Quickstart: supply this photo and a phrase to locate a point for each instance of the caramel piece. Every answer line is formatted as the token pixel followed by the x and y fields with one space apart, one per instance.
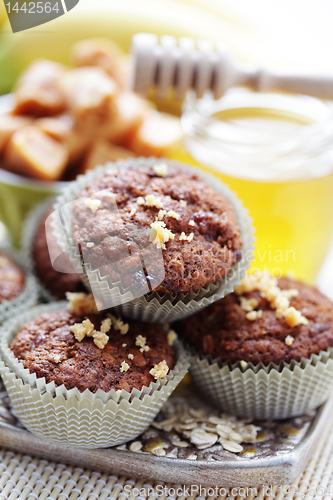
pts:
pixel 158 134
pixel 129 114
pixel 63 129
pixel 101 153
pixel 89 93
pixel 32 153
pixel 104 53
pixel 8 125
pixel 38 92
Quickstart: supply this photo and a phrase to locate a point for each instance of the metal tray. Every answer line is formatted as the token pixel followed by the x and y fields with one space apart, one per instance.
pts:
pixel 279 459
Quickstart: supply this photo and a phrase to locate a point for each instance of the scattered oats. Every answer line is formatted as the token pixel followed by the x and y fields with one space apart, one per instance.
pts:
pixel 152 201
pixel 140 200
pixel 106 325
pixel 100 339
pixel 124 366
pixel 215 420
pixel 160 370
pixel 231 446
pixel 202 439
pixel 159 234
pixel 171 337
pixel 160 452
pixel 132 212
pixel 135 446
pixel 188 238
pixel 183 203
pixel 130 356
pixel 161 214
pixel 93 204
pixel 81 303
pixel 192 457
pixel 141 342
pixel 289 340
pixel 161 169
pixel 57 358
pixel 243 363
pixel 248 304
pixel 173 214
pixel 192 223
pixel 90 244
pixel 236 437
pixel 124 345
pixel 181 444
pixel 253 315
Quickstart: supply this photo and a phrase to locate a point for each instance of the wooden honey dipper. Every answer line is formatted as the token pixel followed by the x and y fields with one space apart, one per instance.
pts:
pixel 184 64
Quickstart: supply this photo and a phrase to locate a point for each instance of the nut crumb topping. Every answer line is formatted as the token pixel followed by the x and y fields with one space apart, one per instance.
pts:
pixel 159 234
pixel 132 212
pixel 289 340
pixel 160 370
pixel 185 237
pixel 106 325
pixel 150 200
pixel 171 337
pixel 86 329
pixel 124 367
pixel 173 214
pixel 183 203
pixel 81 303
pixel 90 244
pixel 161 169
pixel 118 324
pixel 100 339
pixel 141 342
pixel 191 223
pixel 253 315
pixel 93 204
pixel 161 214
pixel 130 356
pixel 57 358
pixel 279 299
pixel 123 345
pixel 248 304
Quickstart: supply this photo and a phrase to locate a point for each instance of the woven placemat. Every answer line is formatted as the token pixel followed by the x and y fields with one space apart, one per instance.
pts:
pixel 25 477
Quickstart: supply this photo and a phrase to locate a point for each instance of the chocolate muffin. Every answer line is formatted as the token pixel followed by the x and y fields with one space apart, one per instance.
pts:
pixel 57 283
pixel 193 226
pixel 264 321
pixel 11 278
pixel 93 351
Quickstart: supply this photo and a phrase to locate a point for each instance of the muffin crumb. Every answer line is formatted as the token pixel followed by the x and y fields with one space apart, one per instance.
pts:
pixel 141 342
pixel 93 204
pixel 159 234
pixel 124 367
pixel 81 303
pixel 160 370
pixel 289 340
pixel 171 337
pixel 160 169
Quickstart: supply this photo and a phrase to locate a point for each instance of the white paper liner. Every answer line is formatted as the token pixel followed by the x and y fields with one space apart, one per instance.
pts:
pixel 29 295
pixel 265 392
pixel 154 307
pixel 81 419
pixel 29 232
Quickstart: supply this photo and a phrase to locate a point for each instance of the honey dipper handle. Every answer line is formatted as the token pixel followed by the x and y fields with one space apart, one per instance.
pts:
pixel 184 64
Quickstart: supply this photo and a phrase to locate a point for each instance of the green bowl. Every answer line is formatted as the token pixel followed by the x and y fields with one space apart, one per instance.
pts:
pixel 18 196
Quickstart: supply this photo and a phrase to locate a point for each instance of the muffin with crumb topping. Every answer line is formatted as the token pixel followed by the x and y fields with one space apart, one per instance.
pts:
pixel 173 238
pixel 11 278
pixel 83 378
pixel 264 350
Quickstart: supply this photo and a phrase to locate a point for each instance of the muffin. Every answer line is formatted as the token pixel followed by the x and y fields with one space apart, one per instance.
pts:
pixel 18 289
pixel 78 377
pixel 157 233
pixel 264 351
pixel 54 283
pixel 11 278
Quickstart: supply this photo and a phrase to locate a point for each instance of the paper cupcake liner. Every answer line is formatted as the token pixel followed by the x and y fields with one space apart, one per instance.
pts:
pixel 265 392
pixel 152 306
pixel 29 295
pixel 29 233
pixel 81 419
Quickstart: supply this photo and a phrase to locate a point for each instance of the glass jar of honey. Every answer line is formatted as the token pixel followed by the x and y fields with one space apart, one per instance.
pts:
pixel 276 152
